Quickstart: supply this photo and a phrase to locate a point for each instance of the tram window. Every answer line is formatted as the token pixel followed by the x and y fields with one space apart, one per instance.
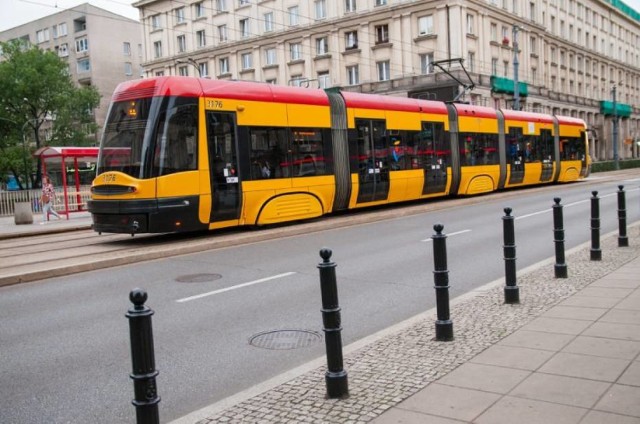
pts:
pixel 571 148
pixel 478 149
pixel 308 152
pixel 268 154
pixel 545 149
pixel 428 146
pixel 397 157
pixel 176 141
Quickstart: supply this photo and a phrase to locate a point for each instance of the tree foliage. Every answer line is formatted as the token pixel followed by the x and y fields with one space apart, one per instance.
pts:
pixel 38 93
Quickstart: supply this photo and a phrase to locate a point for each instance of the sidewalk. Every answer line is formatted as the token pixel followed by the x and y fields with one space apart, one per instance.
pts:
pixel 568 353
pixel 76 221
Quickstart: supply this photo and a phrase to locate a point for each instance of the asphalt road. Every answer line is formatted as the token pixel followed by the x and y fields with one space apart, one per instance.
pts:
pixel 65 349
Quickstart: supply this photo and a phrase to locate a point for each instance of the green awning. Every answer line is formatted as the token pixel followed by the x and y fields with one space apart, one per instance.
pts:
pixel 505 85
pixel 622 110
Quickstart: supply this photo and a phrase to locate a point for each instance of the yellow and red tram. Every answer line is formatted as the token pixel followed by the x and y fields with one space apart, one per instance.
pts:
pixel 184 154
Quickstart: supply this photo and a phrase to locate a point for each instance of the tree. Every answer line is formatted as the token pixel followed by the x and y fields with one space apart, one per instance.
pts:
pixel 38 93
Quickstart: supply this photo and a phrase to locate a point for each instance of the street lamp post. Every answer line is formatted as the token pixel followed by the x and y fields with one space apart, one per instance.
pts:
pixel 615 129
pixel 516 63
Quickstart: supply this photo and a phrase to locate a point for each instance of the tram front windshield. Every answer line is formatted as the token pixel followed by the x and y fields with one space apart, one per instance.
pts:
pixel 150 137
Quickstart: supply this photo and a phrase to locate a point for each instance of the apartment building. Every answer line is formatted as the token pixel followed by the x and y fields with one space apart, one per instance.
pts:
pixel 566 55
pixel 101 48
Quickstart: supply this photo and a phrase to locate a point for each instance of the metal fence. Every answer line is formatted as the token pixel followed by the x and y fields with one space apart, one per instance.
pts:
pixel 76 200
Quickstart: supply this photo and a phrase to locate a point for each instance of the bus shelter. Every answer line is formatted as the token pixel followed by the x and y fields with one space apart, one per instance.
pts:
pixel 72 169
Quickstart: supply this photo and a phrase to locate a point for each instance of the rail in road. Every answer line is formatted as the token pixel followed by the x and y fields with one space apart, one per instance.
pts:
pixel 38 257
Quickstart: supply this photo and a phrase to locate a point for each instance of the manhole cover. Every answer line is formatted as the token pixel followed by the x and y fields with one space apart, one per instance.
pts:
pixel 198 278
pixel 284 339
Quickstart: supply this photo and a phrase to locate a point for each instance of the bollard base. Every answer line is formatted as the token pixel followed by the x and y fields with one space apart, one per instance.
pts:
pixel 623 242
pixel 596 254
pixel 444 330
pixel 337 384
pixel 560 270
pixel 511 294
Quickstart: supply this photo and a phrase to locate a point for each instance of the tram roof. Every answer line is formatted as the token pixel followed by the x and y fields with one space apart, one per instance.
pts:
pixel 568 120
pixel 517 115
pixel 225 89
pixel 475 111
pixel 403 104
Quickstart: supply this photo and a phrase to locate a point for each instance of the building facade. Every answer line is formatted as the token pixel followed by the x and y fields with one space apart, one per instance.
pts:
pixel 102 49
pixel 568 57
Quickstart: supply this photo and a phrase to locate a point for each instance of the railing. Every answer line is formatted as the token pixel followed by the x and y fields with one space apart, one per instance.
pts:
pixel 76 200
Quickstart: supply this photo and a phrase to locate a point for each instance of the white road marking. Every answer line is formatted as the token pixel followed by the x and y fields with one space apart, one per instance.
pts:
pixel 250 283
pixel 449 235
pixel 567 205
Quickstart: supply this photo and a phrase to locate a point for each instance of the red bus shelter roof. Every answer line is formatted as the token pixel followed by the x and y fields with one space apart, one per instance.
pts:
pixel 66 152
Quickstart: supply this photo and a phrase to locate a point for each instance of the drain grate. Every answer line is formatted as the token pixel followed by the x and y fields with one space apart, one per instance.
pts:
pixel 198 278
pixel 285 339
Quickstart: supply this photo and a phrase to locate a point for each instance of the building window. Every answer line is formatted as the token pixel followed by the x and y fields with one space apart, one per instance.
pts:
pixel 350 6
pixel 54 31
pixel 126 48
pixel 204 69
pixel 321 9
pixel 179 15
pixel 298 81
pixel 82 45
pixel 62 29
pixel 270 56
pixel 352 75
pixel 247 61
pixel 63 50
pixel 223 64
pixel 42 35
pixel 268 22
pixel 128 69
pixel 159 73
pixel 198 10
pixel 244 28
pixel 470 24
pixel 324 80
pixel 494 66
pixel 273 81
pixel 382 34
pixel 426 63
pixel 221 5
pixel 183 71
pixel 425 25
pixel 506 68
pixel 533 48
pixel 201 38
pixel 84 65
pixel 493 32
pixel 532 11
pixel 157 49
pixel 181 43
pixel 322 46
pixel 296 51
pixel 381 2
pixel 351 40
pixel 243 2
pixel 471 56
pixel 384 69
pixel 222 33
pixel 155 22
pixel 293 16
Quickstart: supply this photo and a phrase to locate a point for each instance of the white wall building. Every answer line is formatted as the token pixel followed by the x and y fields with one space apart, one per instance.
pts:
pixel 572 53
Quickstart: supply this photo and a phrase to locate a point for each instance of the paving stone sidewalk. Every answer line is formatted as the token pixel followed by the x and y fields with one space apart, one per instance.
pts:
pixel 398 368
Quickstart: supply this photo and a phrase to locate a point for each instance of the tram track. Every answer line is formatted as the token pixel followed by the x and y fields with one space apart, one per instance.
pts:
pixel 36 257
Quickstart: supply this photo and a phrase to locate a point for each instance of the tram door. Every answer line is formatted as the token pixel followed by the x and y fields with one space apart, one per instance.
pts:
pixel 515 155
pixel 373 172
pixel 223 166
pixel 547 154
pixel 432 143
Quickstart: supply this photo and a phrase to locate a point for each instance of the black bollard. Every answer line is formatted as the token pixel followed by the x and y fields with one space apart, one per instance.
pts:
pixel 142 356
pixel 335 377
pixel 444 325
pixel 560 267
pixel 511 290
pixel 596 253
pixel 623 240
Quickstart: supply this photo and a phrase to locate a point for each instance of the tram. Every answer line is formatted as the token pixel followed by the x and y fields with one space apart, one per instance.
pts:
pixel 186 154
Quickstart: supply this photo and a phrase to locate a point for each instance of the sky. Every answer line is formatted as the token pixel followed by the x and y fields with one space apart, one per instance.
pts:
pixel 18 12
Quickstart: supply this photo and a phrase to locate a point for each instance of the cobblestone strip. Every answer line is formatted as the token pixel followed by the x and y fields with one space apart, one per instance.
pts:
pixel 392 369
